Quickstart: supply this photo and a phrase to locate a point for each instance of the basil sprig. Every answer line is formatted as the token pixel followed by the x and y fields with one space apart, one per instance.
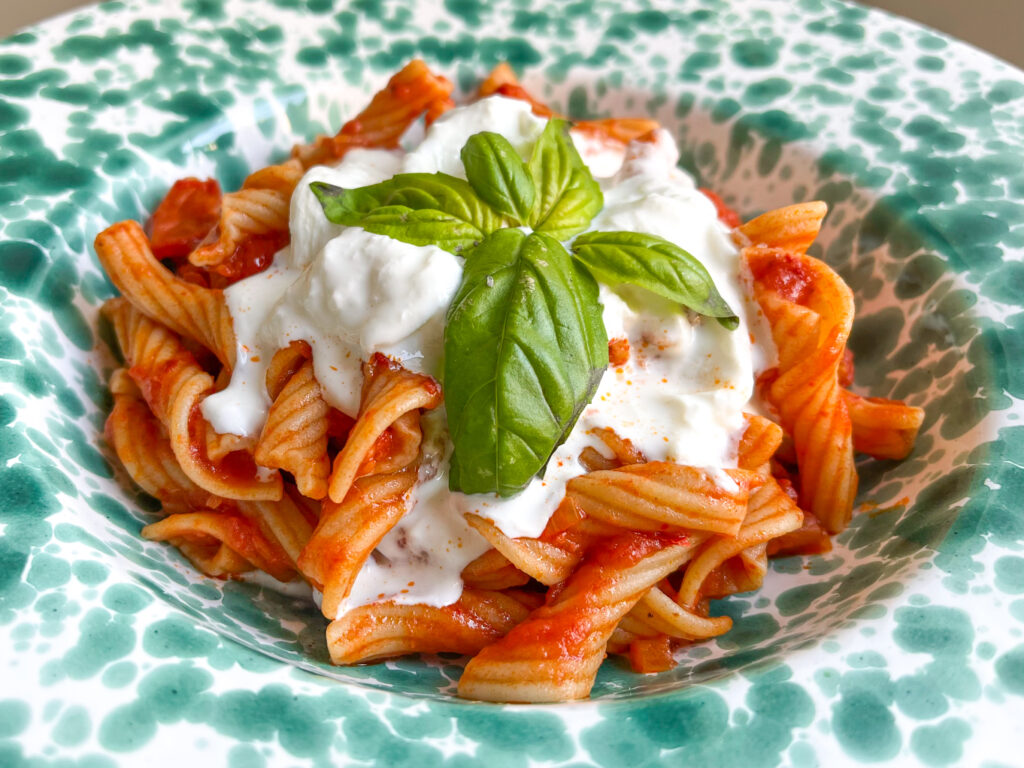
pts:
pixel 525 346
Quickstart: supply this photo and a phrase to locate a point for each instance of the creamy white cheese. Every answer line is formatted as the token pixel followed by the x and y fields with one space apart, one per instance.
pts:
pixel 680 397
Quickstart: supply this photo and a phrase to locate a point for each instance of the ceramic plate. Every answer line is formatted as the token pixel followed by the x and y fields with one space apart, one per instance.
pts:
pixel 902 645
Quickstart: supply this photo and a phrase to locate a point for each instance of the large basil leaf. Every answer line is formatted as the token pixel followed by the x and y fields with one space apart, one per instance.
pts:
pixel 498 175
pixel 436 197
pixel 567 195
pixel 653 263
pixel 525 348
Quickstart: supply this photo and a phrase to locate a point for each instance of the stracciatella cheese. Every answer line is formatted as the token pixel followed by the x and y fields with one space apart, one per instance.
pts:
pixel 680 397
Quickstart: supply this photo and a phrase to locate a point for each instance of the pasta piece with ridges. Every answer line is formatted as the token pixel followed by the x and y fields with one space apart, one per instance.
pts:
pixel 174 385
pixel 260 207
pixel 349 532
pixel 492 570
pixel 806 392
pixel 391 398
pixel 761 438
pixel 661 614
pixel 408 94
pixel 502 81
pixel 230 528
pixel 294 436
pixel 554 655
pixel 146 454
pixel 281 521
pixel 386 630
pixel 792 228
pixel 661 495
pixel 884 429
pixel 199 313
pixel 213 559
pixel 544 561
pixel 771 513
pixel 144 450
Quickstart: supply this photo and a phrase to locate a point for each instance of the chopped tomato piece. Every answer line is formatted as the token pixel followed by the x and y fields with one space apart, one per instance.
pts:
pixel 184 217
pixel 253 255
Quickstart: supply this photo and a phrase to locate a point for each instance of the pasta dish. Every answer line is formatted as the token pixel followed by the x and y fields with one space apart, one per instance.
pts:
pixel 489 382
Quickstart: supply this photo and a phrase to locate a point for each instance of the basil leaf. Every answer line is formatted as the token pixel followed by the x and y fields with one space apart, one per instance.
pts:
pixel 567 195
pixel 653 263
pixel 498 175
pixel 445 197
pixel 525 348
pixel 424 226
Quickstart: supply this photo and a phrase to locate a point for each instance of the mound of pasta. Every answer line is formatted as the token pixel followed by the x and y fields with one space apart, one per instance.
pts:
pixel 491 383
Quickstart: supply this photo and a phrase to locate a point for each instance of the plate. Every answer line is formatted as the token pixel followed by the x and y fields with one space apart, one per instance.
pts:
pixel 902 645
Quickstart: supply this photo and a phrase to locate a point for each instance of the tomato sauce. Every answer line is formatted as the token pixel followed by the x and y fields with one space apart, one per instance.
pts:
pixel 185 216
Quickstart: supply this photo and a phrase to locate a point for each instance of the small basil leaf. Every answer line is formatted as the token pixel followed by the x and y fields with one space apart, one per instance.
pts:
pixel 424 226
pixel 567 195
pixel 653 263
pixel 446 195
pixel 525 348
pixel 498 175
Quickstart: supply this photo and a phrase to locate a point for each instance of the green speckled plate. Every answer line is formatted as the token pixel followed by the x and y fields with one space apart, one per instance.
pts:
pixel 903 646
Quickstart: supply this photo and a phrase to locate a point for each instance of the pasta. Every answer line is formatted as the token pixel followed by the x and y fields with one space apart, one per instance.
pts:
pixel 336 482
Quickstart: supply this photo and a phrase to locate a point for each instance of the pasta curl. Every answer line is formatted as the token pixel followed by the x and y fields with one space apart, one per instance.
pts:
pixel 810 311
pixel 386 630
pixel 198 313
pixel 555 653
pixel 294 437
pixel 386 436
pixel 173 385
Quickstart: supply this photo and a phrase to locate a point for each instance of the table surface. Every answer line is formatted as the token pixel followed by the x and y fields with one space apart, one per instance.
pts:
pixel 996 26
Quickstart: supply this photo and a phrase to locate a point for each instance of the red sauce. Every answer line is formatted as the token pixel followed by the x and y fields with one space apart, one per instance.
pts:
pixel 787 275
pixel 726 215
pixel 184 217
pixel 846 368
pixel 253 255
pixel 627 549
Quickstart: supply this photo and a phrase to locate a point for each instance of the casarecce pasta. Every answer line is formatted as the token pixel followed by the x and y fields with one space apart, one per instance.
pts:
pixel 327 481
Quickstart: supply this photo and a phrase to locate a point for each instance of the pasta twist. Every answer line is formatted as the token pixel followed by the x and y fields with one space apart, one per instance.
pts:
pixel 348 532
pixel 374 632
pixel 294 437
pixel 199 313
pixel 173 385
pixel 410 92
pixel 259 209
pixel 386 436
pixel 810 311
pixel 143 449
pixel 554 654
pixel 660 495
pixel 202 537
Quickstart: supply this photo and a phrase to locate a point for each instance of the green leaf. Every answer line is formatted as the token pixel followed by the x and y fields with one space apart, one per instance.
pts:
pixel 567 195
pixel 424 226
pixel 434 197
pixel 498 175
pixel 525 349
pixel 653 263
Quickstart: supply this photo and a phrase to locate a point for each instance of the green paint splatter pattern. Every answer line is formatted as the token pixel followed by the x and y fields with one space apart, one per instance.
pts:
pixel 904 646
